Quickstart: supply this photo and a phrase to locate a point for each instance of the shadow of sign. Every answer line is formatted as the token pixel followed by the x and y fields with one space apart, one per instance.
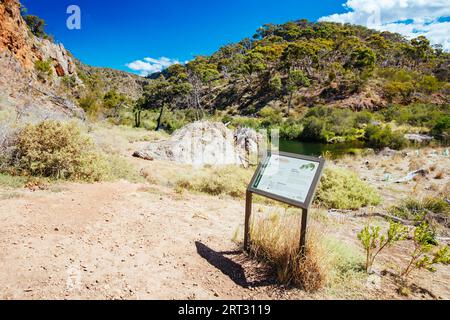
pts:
pixel 234 270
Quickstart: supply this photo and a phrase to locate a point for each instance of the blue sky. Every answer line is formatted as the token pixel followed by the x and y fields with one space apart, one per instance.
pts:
pixel 114 33
pixel 140 33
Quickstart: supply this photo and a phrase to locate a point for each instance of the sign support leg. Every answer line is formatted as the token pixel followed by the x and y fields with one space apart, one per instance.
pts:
pixel 248 213
pixel 303 232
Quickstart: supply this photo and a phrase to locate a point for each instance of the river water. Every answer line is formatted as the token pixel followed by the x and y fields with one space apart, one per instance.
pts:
pixel 317 149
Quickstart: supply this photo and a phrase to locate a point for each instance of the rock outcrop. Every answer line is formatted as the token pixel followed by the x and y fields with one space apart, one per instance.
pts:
pixel 20 85
pixel 205 143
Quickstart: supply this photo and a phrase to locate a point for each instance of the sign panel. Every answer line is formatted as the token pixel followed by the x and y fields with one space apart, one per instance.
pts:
pixel 288 178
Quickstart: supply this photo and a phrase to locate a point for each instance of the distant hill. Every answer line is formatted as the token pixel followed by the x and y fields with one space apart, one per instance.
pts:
pixel 302 64
pixel 125 83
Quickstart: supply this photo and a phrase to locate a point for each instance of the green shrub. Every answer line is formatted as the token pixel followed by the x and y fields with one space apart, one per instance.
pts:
pixel 314 130
pixel 426 253
pixel 44 68
pixel 59 150
pixel 342 189
pixel 441 130
pixel 374 242
pixel 270 116
pixel 419 115
pixel 414 209
pixel 429 84
pixel 379 137
pixel 291 131
pixel 327 124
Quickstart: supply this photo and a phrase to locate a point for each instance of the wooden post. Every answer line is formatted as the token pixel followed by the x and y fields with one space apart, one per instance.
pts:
pixel 303 228
pixel 248 213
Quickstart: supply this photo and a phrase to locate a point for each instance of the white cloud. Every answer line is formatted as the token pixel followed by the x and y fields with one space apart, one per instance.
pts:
pixel 411 18
pixel 148 66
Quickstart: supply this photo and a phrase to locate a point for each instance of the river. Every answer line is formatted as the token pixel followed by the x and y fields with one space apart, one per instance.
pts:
pixel 317 149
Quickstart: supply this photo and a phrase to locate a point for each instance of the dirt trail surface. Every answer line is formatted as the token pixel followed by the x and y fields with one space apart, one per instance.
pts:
pixel 123 240
pixel 117 240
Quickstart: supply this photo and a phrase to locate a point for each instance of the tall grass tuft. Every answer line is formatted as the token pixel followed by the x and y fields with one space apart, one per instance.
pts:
pixel 275 240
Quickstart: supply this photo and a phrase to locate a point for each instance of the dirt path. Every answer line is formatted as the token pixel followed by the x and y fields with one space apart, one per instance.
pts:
pixel 122 240
pixel 117 240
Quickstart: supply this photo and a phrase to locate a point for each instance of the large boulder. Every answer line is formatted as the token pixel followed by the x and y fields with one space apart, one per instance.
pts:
pixel 205 142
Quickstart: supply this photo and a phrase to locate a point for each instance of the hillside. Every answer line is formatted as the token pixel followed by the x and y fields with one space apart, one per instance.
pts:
pixel 304 64
pixel 33 71
pixel 40 78
pixel 125 83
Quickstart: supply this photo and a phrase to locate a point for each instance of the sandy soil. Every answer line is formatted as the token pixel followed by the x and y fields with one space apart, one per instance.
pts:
pixel 117 240
pixel 121 240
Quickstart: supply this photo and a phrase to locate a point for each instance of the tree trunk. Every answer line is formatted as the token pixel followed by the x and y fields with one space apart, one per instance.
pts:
pixel 137 119
pixel 158 126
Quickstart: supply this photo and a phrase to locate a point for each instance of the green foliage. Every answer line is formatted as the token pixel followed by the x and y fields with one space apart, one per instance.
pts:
pixel 276 85
pixel 419 115
pixel 380 137
pixel 114 102
pixel 425 255
pixel 342 189
pixel 441 129
pixel 333 61
pixel 326 124
pixel 416 209
pixel 291 130
pixel 314 130
pixel 58 150
pixel 429 84
pixel 296 80
pixel 36 26
pixel 374 241
pixel 44 68
pixel 363 59
pixel 270 116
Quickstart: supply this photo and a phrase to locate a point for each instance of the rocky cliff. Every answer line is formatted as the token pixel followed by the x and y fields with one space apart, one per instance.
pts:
pixel 22 86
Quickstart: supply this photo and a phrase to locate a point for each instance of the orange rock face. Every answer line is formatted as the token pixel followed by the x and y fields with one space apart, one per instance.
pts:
pixel 14 34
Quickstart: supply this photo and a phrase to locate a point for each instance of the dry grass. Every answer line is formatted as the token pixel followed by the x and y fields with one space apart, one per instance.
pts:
pixel 13 182
pixel 417 163
pixel 440 175
pixel 226 180
pixel 213 180
pixel 329 263
pixel 117 139
pixel 278 245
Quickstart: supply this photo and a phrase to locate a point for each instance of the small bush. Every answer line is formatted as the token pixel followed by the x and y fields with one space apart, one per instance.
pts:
pixel 44 68
pixel 374 242
pixel 427 253
pixel 378 138
pixel 314 130
pixel 441 129
pixel 342 189
pixel 58 150
pixel 414 209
